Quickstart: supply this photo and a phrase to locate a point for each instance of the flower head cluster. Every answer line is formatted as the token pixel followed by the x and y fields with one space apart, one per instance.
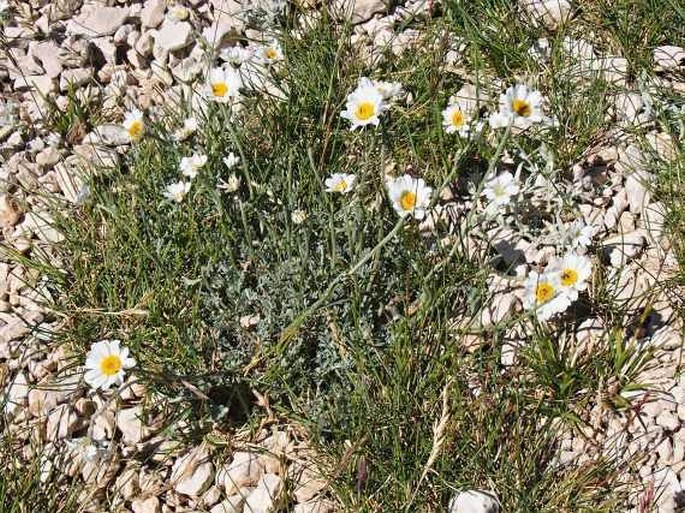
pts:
pixel 409 196
pixel 189 127
pixel 177 191
pixel 577 235
pixel 500 190
pixel 554 290
pixel 134 125
pixel 106 364
pixel 190 166
pixel 270 52
pixel 364 105
pixel 519 106
pixel 340 182
pixel 223 85
pixel 459 115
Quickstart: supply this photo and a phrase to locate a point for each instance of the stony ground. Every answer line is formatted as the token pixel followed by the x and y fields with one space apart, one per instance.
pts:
pixel 124 54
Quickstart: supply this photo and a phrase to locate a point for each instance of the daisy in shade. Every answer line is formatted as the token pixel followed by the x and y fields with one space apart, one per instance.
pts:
pixel 501 189
pixel 134 125
pixel 106 364
pixel 544 295
pixel 178 12
pixel 409 196
pixel 223 85
pixel 190 166
pixel 237 55
pixel 340 182
pixel 189 127
pixel 364 105
pixel 578 235
pixel 270 52
pixel 177 191
pixel 574 271
pixel 519 106
pixel 389 90
pixel 231 160
pixel 230 185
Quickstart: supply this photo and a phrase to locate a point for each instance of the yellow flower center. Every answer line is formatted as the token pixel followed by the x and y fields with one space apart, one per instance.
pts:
pixel 270 53
pixel 457 118
pixel 521 107
pixel 499 190
pixel 110 365
pixel 219 89
pixel 365 110
pixel 135 129
pixel 544 292
pixel 569 277
pixel 340 186
pixel 408 200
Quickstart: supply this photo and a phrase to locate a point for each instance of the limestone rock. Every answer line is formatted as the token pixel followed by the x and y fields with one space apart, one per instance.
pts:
pixel 16 395
pixel 234 504
pixel 244 470
pixel 315 506
pixel 9 211
pixel 309 483
pixel 74 77
pixel 624 247
pixel 668 57
pixel 149 505
pixel 474 501
pixel 97 20
pixel 49 55
pixel 152 14
pixel 61 423
pixel 550 13
pixel 126 483
pixel 637 193
pixel 174 35
pixel 264 497
pixel 360 10
pixel 131 425
pixel 193 473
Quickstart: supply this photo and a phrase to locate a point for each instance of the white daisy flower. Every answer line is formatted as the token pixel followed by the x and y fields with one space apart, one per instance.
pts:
pixel 364 105
pixel 223 85
pixel 544 295
pixel 298 216
pixel 231 160
pixel 501 189
pixel 574 271
pixel 190 166
pixel 178 12
pixel 189 127
pixel 457 117
pixel 177 191
pixel 237 55
pixel 270 53
pixel 134 124
pixel 578 235
pixel 388 90
pixel 409 196
pixel 519 106
pixel 340 182
pixel 106 364
pixel 231 185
